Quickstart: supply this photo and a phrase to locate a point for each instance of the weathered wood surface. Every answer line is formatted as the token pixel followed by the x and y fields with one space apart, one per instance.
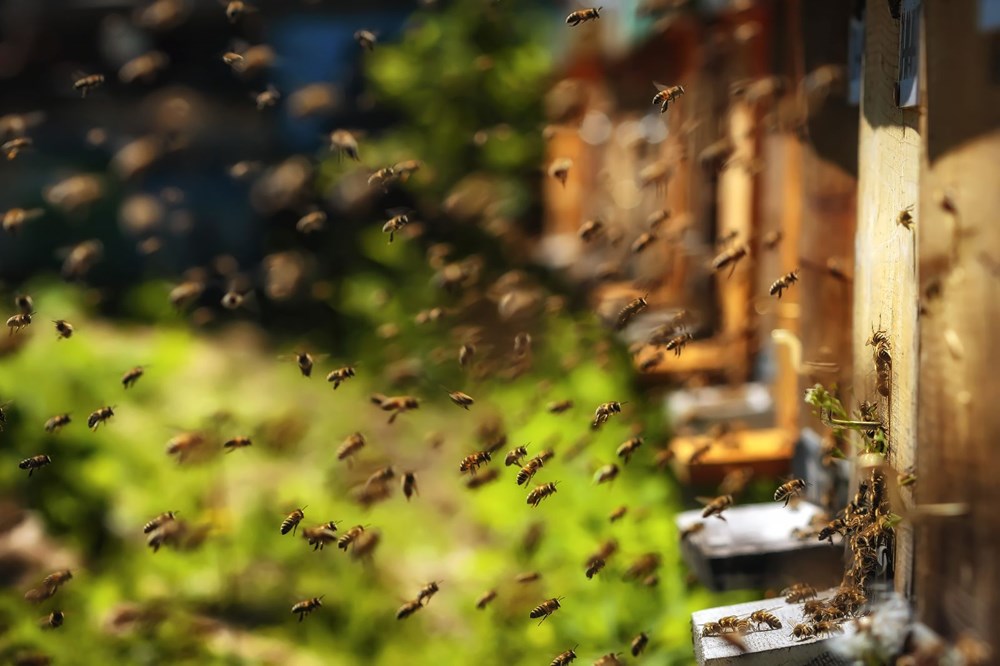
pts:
pixel 958 559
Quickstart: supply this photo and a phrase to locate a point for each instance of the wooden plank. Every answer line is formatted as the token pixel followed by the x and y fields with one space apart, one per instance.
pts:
pixel 768 451
pixel 957 558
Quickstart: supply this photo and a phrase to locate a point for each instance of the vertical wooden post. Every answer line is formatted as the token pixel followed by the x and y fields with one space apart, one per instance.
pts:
pixel 958 558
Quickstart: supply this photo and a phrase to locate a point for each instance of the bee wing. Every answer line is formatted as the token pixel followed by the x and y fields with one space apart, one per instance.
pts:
pixel 401 210
pixel 660 86
pixel 704 500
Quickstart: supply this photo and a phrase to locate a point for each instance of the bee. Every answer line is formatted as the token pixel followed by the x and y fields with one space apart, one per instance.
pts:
pixel 606 474
pixel 905 217
pixel 514 456
pixel 81 259
pixel 14 220
pixel 772 239
pixel 396 404
pixel 730 257
pixel 365 545
pixel 663 457
pixel 559 169
pixel 307 606
pixel 186 293
pixel 57 422
pixel 836 526
pixel 630 310
pixel 132 376
pixel 787 491
pixel 366 39
pixel 292 520
pixel 13 147
pixel 643 566
pixel 395 224
pixel 382 178
pixel 159 521
pixel 539 493
pixel 735 481
pixel 465 354
pixel 472 462
pixel 53 620
pixel 87 83
pixel 100 416
pixel 639 643
pixel 629 447
pixel 594 566
pixel 305 361
pixel 184 445
pixel 408 609
pixel 604 411
pixel 427 591
pixel 618 514
pixel 644 240
pixel 340 375
pixel 529 577
pixel 760 617
pixel 715 506
pixel 381 475
pixel 345 144
pixel 485 599
pixel 691 530
pixel 234 60
pixel 564 658
pixel 522 344
pixel 610 659
pixel 583 15
pixel 354 443
pixel 590 230
pixel 57 579
pixel 666 95
pixel 798 593
pixel 784 282
pixel 350 536
pixel 409 485
pixel 559 407
pixel 711 629
pixel 320 536
pixel 529 470
pixel 267 97
pixel 311 222
pixel 237 443
pixel 17 322
pixel 802 631
pixel 827 627
pixel 546 608
pixel 34 462
pixel 463 400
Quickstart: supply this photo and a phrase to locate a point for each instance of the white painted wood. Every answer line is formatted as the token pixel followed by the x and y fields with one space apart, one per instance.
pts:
pixel 751 529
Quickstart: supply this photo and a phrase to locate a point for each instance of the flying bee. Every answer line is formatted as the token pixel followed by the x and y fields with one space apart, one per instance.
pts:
pixel 559 169
pixel 53 620
pixel 428 591
pixel 663 457
pixel 905 217
pixel 798 593
pixel 463 400
pixel 345 144
pixel 605 411
pixel 836 526
pixel 354 443
pixel 17 322
pixel 409 485
pixel 64 329
pixel 87 83
pixel 305 361
pixel 382 178
pixel 522 344
pixel 12 148
pixel 340 375
pixel 643 566
pixel 292 520
pixel 715 506
pixel 489 476
pixel 381 475
pixel 514 456
pixel 666 95
pixel 237 443
pixel 57 422
pixel 539 493
pixel 583 15
pixel 14 220
pixel 320 536
pixel 610 659
pixel 564 658
pixel 784 282
pixel 157 522
pixel 366 39
pixel 57 579
pixel 184 444
pixel 485 599
pixel 186 293
pixel 34 462
pixel 529 470
pixel 590 230
pixel 350 536
pixel 730 257
pixel 408 609
pixel 618 514
pixel 132 376
pixel 307 606
pixel 544 609
pixel 465 354
pixel 395 224
pixel 644 240
pixel 606 474
pixel 267 97
pixel 631 309
pixel 772 239
pixel 559 407
pixel 100 416
pixel 629 447
pixel 396 404
pixel 639 643
pixel 527 577
pixel 760 617
pixel 787 491
pixel 691 530
pixel 472 462
pixel 311 222
pixel 594 566
pixel 234 60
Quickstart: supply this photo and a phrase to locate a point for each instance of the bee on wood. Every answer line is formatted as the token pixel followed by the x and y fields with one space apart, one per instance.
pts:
pixel 617 514
pixel 408 482
pixel 354 443
pixel 564 658
pixel 715 506
pixel 529 470
pixel 100 416
pixel 320 536
pixel 57 422
pixel 87 83
pixel 53 620
pixel 132 376
pixel 605 411
pixel 691 530
pixel 408 609
pixel 465 354
pixel 643 566
pixel 827 627
pixel 311 222
pixel 267 97
pixel 782 283
pixel 514 456
pixel 366 39
pixel 292 520
pixel 17 322
pixel 730 257
pixel 559 169
pixel 463 400
pixel 428 591
pixel 485 599
pixel 237 443
pixel 628 448
pixel 761 617
pixel 559 407
pixel 64 329
pixel 546 608
pixel 787 491
pixel 639 643
pixel 798 593
pixel 394 225
pixel 350 536
pixel 711 629
pixel 307 606
pixel 905 217
pixel 628 312
pixel 34 462
pixel 666 95
pixel 340 375
pixel 594 567
pixel 676 343
pixel 159 521
pixel 836 526
pixel 13 148
pixel 606 474
pixel 539 493
pixel 583 15
pixel 772 239
pixel 473 462
pixel 345 144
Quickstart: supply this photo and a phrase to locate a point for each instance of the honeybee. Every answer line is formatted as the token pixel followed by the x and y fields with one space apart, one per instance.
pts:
pixel 564 658
pixel 406 168
pixel 606 474
pixel 132 376
pixel 514 456
pixel 610 659
pixel 237 443
pixel 663 458
pixel 787 491
pixel 472 462
pixel 340 375
pixel 639 643
pixel 760 617
pixel 57 579
pixel 409 485
pixel 465 354
pixel 905 217
pixel 730 257
pixel 527 577
pixel 666 95
pixel 427 591
pixel 691 530
pixel 395 224
pixel 643 566
pixel 656 219
pixel 53 620
pixel 34 462
pixel 711 629
pixel 320 536
pixel 234 60
pixel 408 609
pixel 292 520
pixel 382 178
pixel 57 422
pixel 81 258
pixel 365 545
pixel 590 230
pixel 529 470
pixel 522 344
pixel 17 322
pixel 559 169
pixel 345 144
pixel 13 222
pixel 644 240
pixel 311 222
pixel 584 15
pixel 715 506
pixel 798 593
pixel 836 526
pixel 629 447
pixel 539 493
pixel 618 514
pixel 307 606
pixel 594 566
pixel 354 443
pixel 366 39
pixel 100 416
pixel 186 293
pixel 184 444
pixel 485 599
pixel 559 407
pixel 381 475
pixel 784 282
pixel 87 83
pixel 350 536
pixel 630 310
pixel 157 522
pixel 267 97
pixel 546 608
pixel 772 239
pixel 396 404
pixel 604 411
pixel 463 400
pixel 827 627
pixel 12 148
